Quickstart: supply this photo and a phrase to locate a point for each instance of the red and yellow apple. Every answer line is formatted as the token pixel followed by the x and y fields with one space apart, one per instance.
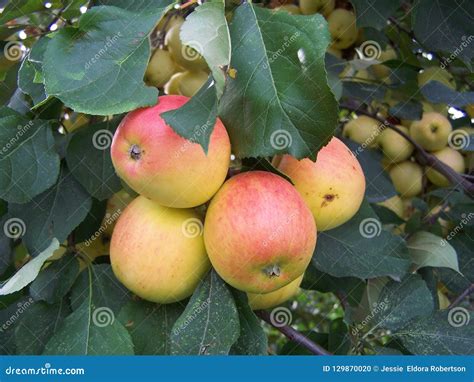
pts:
pixel 333 187
pixel 259 233
pixel 277 297
pixel 158 252
pixel 163 166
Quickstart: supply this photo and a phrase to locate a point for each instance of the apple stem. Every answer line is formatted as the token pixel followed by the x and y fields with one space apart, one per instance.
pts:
pixel 294 335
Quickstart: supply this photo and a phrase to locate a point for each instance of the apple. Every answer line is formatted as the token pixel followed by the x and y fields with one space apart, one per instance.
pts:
pixel 157 252
pixel 450 157
pixel 431 132
pixel 380 70
pixel 172 86
pixel 259 233
pixel 342 26
pixel 269 300
pixel 163 166
pixel 115 206
pixel 443 300
pixel 191 82
pixel 334 51
pixel 166 25
pixel 333 187
pixel 160 68
pixel 434 73
pixel 289 8
pixel 325 7
pixel 184 55
pixel 407 178
pixel 74 121
pixel 470 110
pixel 395 147
pixel 363 130
pixel 395 204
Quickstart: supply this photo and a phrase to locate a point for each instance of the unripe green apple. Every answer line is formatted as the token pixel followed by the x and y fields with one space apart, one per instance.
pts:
pixel 160 68
pixel 380 70
pixel 172 86
pixel 309 7
pixel 259 233
pixel 407 178
pixel 75 121
pixel 160 164
pixel 115 206
pixel 289 8
pixel 333 187
pixel 191 82
pixel 342 26
pixel 431 132
pixel 334 51
pixel 363 130
pixel 158 252
pixel 269 300
pixel 395 147
pixel 163 24
pixel 434 73
pixel 183 55
pixel 450 157
pixel 395 204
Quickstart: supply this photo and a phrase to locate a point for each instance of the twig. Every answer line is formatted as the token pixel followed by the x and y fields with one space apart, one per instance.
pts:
pixel 423 157
pixel 462 296
pixel 294 335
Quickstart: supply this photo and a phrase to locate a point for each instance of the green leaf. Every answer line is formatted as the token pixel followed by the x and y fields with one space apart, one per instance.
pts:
pixel 37 324
pixel 29 271
pixel 136 6
pixel 362 91
pixel 195 120
pixel 401 302
pixel 361 248
pixel 453 32
pixel 339 341
pixel 54 213
pixel 252 339
pixel 150 325
pixel 55 281
pixel 407 110
pixel 88 157
pixel 98 67
pixel 428 250
pixel 374 13
pixel 29 163
pixel 436 335
pixel 436 92
pixel 210 322
pixel 206 31
pixel 276 99
pixel 26 82
pixel 10 318
pixel 21 8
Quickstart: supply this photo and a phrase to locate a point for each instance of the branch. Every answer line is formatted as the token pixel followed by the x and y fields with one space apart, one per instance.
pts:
pixel 462 296
pixel 294 335
pixel 423 157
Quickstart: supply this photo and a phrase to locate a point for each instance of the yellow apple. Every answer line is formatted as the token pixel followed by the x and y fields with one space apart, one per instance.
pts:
pixel 431 132
pixel 160 68
pixel 395 204
pixel 380 70
pixel 272 299
pixel 394 146
pixel 172 86
pixel 115 206
pixel 259 233
pixel 407 178
pixel 443 300
pixel 434 73
pixel 157 252
pixel 450 157
pixel 74 121
pixel 325 7
pixel 334 51
pixel 289 8
pixel 191 82
pixel 333 187
pixel 363 130
pixel 342 26
pixel 470 110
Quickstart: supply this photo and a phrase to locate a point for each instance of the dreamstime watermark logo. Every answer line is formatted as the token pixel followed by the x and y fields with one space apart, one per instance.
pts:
pixel 370 228
pixel 458 317
pixel 14 228
pixel 287 42
pixel 465 219
pixel 102 139
pixel 21 308
pixel 190 51
pixel 369 50
pixel 110 41
pixel 280 317
pixel 198 131
pixel 13 51
pixel 371 139
pixel 21 130
pixel 192 228
pixel 103 316
pixel 459 140
pixel 190 318
pixel 465 41
pixel 108 221
pixel 377 308
pixel 281 139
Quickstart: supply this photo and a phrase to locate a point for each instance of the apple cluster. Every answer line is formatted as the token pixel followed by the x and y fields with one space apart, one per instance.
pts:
pixel 255 228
